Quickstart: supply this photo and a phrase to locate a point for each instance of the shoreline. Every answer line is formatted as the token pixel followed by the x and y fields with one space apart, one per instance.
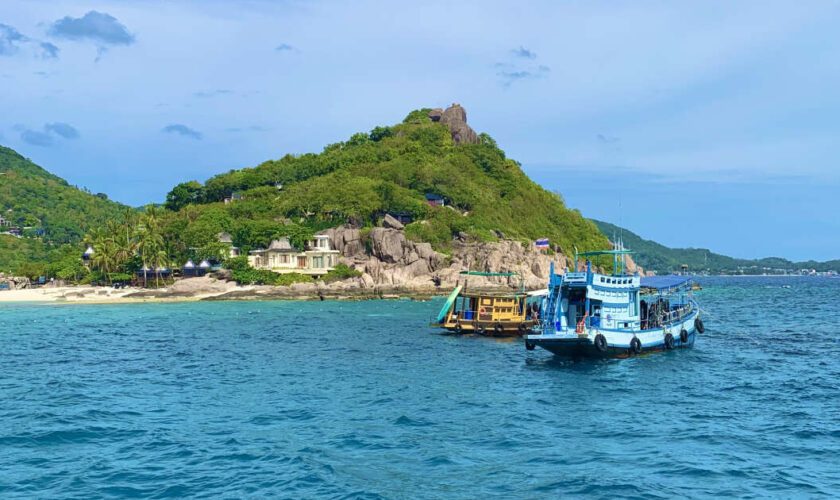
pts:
pixel 211 291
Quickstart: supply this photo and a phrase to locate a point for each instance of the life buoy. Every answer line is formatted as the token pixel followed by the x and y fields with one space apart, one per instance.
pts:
pixel 683 336
pixel 669 341
pixel 699 326
pixel 636 345
pixel 482 310
pixel 523 328
pixel 601 342
pixel 530 345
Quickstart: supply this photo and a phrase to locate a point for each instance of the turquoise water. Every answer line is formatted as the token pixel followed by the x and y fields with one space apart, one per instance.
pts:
pixel 362 400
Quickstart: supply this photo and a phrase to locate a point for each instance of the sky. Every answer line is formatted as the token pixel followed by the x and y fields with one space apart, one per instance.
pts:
pixel 708 124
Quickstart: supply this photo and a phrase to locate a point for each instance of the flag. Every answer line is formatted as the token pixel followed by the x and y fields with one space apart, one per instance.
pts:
pixel 541 243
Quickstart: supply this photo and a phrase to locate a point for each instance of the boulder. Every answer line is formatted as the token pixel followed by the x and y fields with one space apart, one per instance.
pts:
pixel 388 244
pixel 347 240
pixel 455 117
pixel 391 222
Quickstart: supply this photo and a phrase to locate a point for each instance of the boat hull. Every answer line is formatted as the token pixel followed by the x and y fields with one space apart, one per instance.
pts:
pixel 489 329
pixel 619 344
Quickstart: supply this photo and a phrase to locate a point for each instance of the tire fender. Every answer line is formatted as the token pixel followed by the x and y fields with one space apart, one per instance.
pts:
pixel 601 343
pixel 635 345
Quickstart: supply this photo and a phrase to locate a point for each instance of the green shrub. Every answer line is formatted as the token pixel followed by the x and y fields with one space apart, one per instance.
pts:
pixel 341 272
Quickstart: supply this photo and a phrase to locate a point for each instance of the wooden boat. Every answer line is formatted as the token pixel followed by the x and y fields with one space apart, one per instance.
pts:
pixel 589 314
pixel 486 313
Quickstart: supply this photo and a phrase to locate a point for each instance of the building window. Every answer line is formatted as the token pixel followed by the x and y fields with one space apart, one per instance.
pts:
pixel 318 262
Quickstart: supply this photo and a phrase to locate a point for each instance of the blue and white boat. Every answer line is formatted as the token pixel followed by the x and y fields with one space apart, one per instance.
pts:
pixel 589 314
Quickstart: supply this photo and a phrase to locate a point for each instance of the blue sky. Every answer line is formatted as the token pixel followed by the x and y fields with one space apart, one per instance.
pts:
pixel 715 123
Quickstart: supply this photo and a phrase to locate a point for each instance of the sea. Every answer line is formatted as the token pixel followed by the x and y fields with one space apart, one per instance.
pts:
pixel 341 399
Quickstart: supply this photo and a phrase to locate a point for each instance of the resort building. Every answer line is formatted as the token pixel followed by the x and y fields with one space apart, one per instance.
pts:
pixel 5 222
pixel 226 239
pixel 281 257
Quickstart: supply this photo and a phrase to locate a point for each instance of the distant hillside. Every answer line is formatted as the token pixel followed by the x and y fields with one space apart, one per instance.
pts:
pixel 657 257
pixel 32 197
pixel 389 169
pixel 46 207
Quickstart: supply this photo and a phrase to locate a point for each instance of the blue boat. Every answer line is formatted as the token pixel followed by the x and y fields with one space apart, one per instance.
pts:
pixel 589 314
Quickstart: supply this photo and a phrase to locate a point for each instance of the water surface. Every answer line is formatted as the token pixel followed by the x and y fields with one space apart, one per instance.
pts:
pixel 363 400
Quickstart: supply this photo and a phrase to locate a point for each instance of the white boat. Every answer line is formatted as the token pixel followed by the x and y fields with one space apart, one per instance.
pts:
pixel 589 314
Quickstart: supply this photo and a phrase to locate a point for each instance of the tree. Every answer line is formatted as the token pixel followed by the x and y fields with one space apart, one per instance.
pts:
pixel 150 243
pixel 184 194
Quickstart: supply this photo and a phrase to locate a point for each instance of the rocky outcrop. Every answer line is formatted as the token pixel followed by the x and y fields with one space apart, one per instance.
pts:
pixel 391 222
pixel 455 117
pixel 395 261
pixel 346 240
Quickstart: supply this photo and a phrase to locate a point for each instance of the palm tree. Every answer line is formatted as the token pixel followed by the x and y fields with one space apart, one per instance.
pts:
pixel 104 256
pixel 150 242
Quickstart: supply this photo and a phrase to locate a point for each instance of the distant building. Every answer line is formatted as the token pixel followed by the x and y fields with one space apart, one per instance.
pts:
pixel 5 222
pixel 435 200
pixel 281 257
pixel 233 197
pixel 226 239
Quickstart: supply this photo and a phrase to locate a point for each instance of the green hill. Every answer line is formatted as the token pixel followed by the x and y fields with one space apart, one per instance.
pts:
pixel 387 170
pixel 656 257
pixel 48 210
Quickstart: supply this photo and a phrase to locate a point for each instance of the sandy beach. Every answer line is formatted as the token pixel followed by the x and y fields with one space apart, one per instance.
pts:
pixel 195 289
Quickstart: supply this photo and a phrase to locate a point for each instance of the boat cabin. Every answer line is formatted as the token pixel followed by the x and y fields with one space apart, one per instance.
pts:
pixel 621 302
pixel 482 312
pixel 490 308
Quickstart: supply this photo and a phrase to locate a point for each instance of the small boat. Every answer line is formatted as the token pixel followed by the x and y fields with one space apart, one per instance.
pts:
pixel 487 313
pixel 589 314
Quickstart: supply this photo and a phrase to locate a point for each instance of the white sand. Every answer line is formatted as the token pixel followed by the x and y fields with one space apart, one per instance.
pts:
pixel 184 290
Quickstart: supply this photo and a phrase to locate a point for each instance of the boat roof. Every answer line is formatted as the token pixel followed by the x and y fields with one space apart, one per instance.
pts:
pixel 492 294
pixel 664 282
pixel 482 273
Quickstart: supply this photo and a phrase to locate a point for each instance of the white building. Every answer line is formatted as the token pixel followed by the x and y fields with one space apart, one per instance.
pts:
pixel 227 239
pixel 281 257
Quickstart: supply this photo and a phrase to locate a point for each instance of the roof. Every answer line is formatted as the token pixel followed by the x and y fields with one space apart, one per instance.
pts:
pixel 433 196
pixel 604 252
pixel 481 273
pixel 664 282
pixel 225 238
pixel 281 245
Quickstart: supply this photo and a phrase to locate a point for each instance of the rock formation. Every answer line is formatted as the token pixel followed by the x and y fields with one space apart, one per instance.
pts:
pixel 455 117
pixel 388 258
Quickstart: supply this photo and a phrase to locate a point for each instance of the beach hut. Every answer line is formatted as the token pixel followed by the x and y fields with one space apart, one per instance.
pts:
pixel 189 268
pixel 203 268
pixel 88 254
